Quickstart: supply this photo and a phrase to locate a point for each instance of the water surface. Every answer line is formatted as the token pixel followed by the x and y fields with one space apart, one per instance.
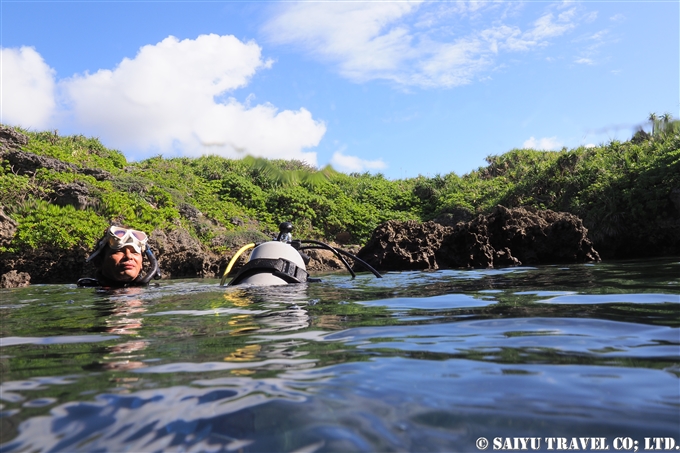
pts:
pixel 416 361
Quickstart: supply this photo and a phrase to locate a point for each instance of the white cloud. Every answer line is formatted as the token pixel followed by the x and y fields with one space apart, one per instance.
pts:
pixel 546 27
pixel 347 163
pixel 411 43
pixel 361 37
pixel 598 36
pixel 165 100
pixel 27 97
pixel 591 53
pixel 543 28
pixel 260 131
pixel 546 143
pixel 590 17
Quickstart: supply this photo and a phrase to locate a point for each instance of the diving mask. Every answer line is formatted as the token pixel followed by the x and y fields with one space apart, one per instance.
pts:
pixel 118 237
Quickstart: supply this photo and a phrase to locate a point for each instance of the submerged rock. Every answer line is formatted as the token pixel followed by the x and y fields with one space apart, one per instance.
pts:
pixel 502 238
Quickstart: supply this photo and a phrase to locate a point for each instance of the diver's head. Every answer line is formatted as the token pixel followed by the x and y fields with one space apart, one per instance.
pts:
pixel 122 265
pixel 119 254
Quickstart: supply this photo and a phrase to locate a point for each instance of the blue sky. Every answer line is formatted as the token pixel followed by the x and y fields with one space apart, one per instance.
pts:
pixel 400 88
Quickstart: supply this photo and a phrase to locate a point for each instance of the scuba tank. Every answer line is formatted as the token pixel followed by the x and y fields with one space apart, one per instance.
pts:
pixel 274 262
pixel 282 261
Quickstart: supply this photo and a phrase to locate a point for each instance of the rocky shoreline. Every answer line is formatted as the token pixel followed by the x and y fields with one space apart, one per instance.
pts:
pixel 504 237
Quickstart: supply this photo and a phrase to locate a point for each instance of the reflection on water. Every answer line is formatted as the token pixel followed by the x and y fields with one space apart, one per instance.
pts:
pixel 417 361
pixel 122 312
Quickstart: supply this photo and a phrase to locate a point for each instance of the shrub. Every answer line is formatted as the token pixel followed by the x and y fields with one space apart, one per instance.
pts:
pixel 41 224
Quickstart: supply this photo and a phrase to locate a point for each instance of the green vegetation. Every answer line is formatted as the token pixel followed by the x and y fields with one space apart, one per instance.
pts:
pixel 624 191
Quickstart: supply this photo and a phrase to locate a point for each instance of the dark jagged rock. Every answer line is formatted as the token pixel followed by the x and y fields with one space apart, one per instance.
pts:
pixel 323 261
pixel 23 163
pixel 181 255
pixel 10 138
pixel 96 173
pixel 518 236
pixel 18 269
pixel 502 238
pixel 46 265
pixel 76 194
pixel 189 211
pixel 406 245
pixel 469 245
pixel 326 261
pixel 14 279
pixel 8 228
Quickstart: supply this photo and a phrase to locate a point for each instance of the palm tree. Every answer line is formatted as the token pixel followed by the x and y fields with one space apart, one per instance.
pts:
pixel 671 126
pixel 654 120
pixel 666 119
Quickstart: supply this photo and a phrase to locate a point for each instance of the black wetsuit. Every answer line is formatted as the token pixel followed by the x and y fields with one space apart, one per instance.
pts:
pixel 103 282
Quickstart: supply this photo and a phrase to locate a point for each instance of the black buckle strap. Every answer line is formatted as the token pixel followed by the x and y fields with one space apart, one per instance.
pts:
pixel 280 267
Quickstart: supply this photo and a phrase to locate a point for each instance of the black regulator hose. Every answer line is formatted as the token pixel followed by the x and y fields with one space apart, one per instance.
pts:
pixel 360 261
pixel 155 271
pixel 321 245
pixel 338 253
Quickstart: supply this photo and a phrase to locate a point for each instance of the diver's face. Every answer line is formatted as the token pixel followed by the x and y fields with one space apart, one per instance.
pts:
pixel 122 265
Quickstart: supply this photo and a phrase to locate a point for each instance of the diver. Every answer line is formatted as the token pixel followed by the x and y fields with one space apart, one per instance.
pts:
pixel 119 258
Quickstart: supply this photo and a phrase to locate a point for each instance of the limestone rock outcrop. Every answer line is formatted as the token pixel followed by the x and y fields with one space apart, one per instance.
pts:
pixel 8 228
pixel 408 245
pixel 180 255
pixel 14 279
pixel 503 237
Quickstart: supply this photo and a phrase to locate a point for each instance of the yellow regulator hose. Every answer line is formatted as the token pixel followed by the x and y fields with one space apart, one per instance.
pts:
pixel 233 260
